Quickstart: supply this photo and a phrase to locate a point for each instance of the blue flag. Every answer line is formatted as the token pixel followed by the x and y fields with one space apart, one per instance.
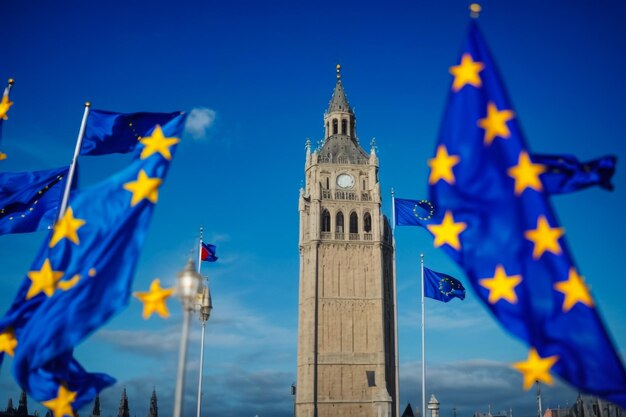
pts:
pixel 497 223
pixel 82 276
pixel 565 173
pixel 208 252
pixel 108 132
pixel 414 212
pixel 441 286
pixel 30 201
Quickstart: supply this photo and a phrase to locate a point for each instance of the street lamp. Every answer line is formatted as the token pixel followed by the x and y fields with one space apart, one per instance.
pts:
pixel 188 282
pixel 204 309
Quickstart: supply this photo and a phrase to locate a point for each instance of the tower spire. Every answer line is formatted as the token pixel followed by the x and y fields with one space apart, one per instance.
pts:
pixel 96 407
pixel 22 408
pixel 339 102
pixel 123 410
pixel 154 409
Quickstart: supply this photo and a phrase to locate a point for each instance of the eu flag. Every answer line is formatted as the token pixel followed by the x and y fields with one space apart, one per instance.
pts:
pixel 441 286
pixel 29 201
pixel 82 276
pixel 108 132
pixel 208 253
pixel 498 224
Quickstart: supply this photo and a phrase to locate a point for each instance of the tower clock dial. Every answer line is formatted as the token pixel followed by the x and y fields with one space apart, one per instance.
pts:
pixel 345 181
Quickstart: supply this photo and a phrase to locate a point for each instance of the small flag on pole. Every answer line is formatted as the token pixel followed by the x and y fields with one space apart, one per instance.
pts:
pixel 208 253
pixel 441 286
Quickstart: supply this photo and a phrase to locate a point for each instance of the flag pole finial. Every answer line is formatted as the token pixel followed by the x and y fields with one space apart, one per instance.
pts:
pixel 475 10
pixel 87 103
pixel 338 71
pixel 11 81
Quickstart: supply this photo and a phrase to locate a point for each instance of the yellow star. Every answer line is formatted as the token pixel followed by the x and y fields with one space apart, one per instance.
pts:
pixel 536 368
pixel 545 238
pixel 61 406
pixel 143 187
pixel 501 286
pixel 526 174
pixel 495 123
pixel 3 156
pixel 447 232
pixel 154 300
pixel 575 291
pixel 43 280
pixel 158 143
pixel 67 228
pixel 8 342
pixel 5 104
pixel 466 73
pixel 441 166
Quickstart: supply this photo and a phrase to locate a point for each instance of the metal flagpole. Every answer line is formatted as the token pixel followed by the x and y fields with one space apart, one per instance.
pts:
pixel 423 343
pixel 203 328
pixel 70 174
pixel 395 301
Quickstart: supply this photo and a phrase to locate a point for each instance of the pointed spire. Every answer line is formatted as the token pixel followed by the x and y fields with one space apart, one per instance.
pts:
pixel 96 407
pixel 154 409
pixel 10 405
pixel 22 408
pixel 338 101
pixel 123 410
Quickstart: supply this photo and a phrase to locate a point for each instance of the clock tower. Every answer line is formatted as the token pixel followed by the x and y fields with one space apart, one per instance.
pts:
pixel 346 323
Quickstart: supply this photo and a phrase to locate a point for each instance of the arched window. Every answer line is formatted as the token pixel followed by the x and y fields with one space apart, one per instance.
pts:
pixel 327 184
pixel 327 129
pixel 354 223
pixel 335 126
pixel 352 127
pixel 344 127
pixel 325 221
pixel 367 223
pixel 339 223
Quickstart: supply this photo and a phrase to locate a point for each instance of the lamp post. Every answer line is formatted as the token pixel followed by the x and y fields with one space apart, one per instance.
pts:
pixel 187 283
pixel 204 308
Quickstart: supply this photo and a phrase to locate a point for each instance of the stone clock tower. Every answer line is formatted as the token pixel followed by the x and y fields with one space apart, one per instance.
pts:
pixel 346 323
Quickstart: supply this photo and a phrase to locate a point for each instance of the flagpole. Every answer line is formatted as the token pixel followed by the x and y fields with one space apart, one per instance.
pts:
pixel 203 319
pixel 395 301
pixel 70 174
pixel 423 343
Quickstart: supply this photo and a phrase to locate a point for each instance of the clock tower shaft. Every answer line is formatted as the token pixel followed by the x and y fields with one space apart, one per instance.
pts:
pixel 346 323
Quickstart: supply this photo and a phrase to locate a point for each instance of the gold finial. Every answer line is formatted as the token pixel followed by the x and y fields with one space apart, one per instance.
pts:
pixel 338 71
pixel 88 104
pixel 475 10
pixel 11 81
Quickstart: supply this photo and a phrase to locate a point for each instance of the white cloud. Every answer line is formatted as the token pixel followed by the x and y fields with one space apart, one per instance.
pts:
pixel 199 122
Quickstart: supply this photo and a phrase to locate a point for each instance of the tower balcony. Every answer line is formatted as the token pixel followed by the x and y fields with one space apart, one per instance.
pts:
pixel 346 195
pixel 342 160
pixel 366 236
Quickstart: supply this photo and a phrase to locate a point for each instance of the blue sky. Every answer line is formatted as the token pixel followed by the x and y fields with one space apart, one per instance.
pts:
pixel 263 73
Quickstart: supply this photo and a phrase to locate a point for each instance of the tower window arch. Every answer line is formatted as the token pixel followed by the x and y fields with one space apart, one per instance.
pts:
pixel 354 223
pixel 327 183
pixel 367 223
pixel 339 222
pixel 325 221
pixel 344 127
pixel 327 129
pixel 335 126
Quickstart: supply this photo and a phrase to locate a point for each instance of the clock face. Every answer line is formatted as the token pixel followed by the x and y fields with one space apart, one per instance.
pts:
pixel 345 181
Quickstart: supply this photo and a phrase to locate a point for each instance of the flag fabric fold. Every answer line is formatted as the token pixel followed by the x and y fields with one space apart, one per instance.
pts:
pixel 495 220
pixel 30 201
pixel 566 174
pixel 441 286
pixel 82 276
pixel 109 132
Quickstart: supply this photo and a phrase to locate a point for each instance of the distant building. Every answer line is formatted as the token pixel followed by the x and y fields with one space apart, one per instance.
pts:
pixel 587 406
pixel 20 411
pixel 123 410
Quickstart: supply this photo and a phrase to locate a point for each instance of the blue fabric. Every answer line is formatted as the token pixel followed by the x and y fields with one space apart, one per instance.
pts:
pixel 208 253
pixel 108 132
pixel 566 174
pixel 497 219
pixel 29 201
pixel 415 212
pixel 441 286
pixel 48 328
